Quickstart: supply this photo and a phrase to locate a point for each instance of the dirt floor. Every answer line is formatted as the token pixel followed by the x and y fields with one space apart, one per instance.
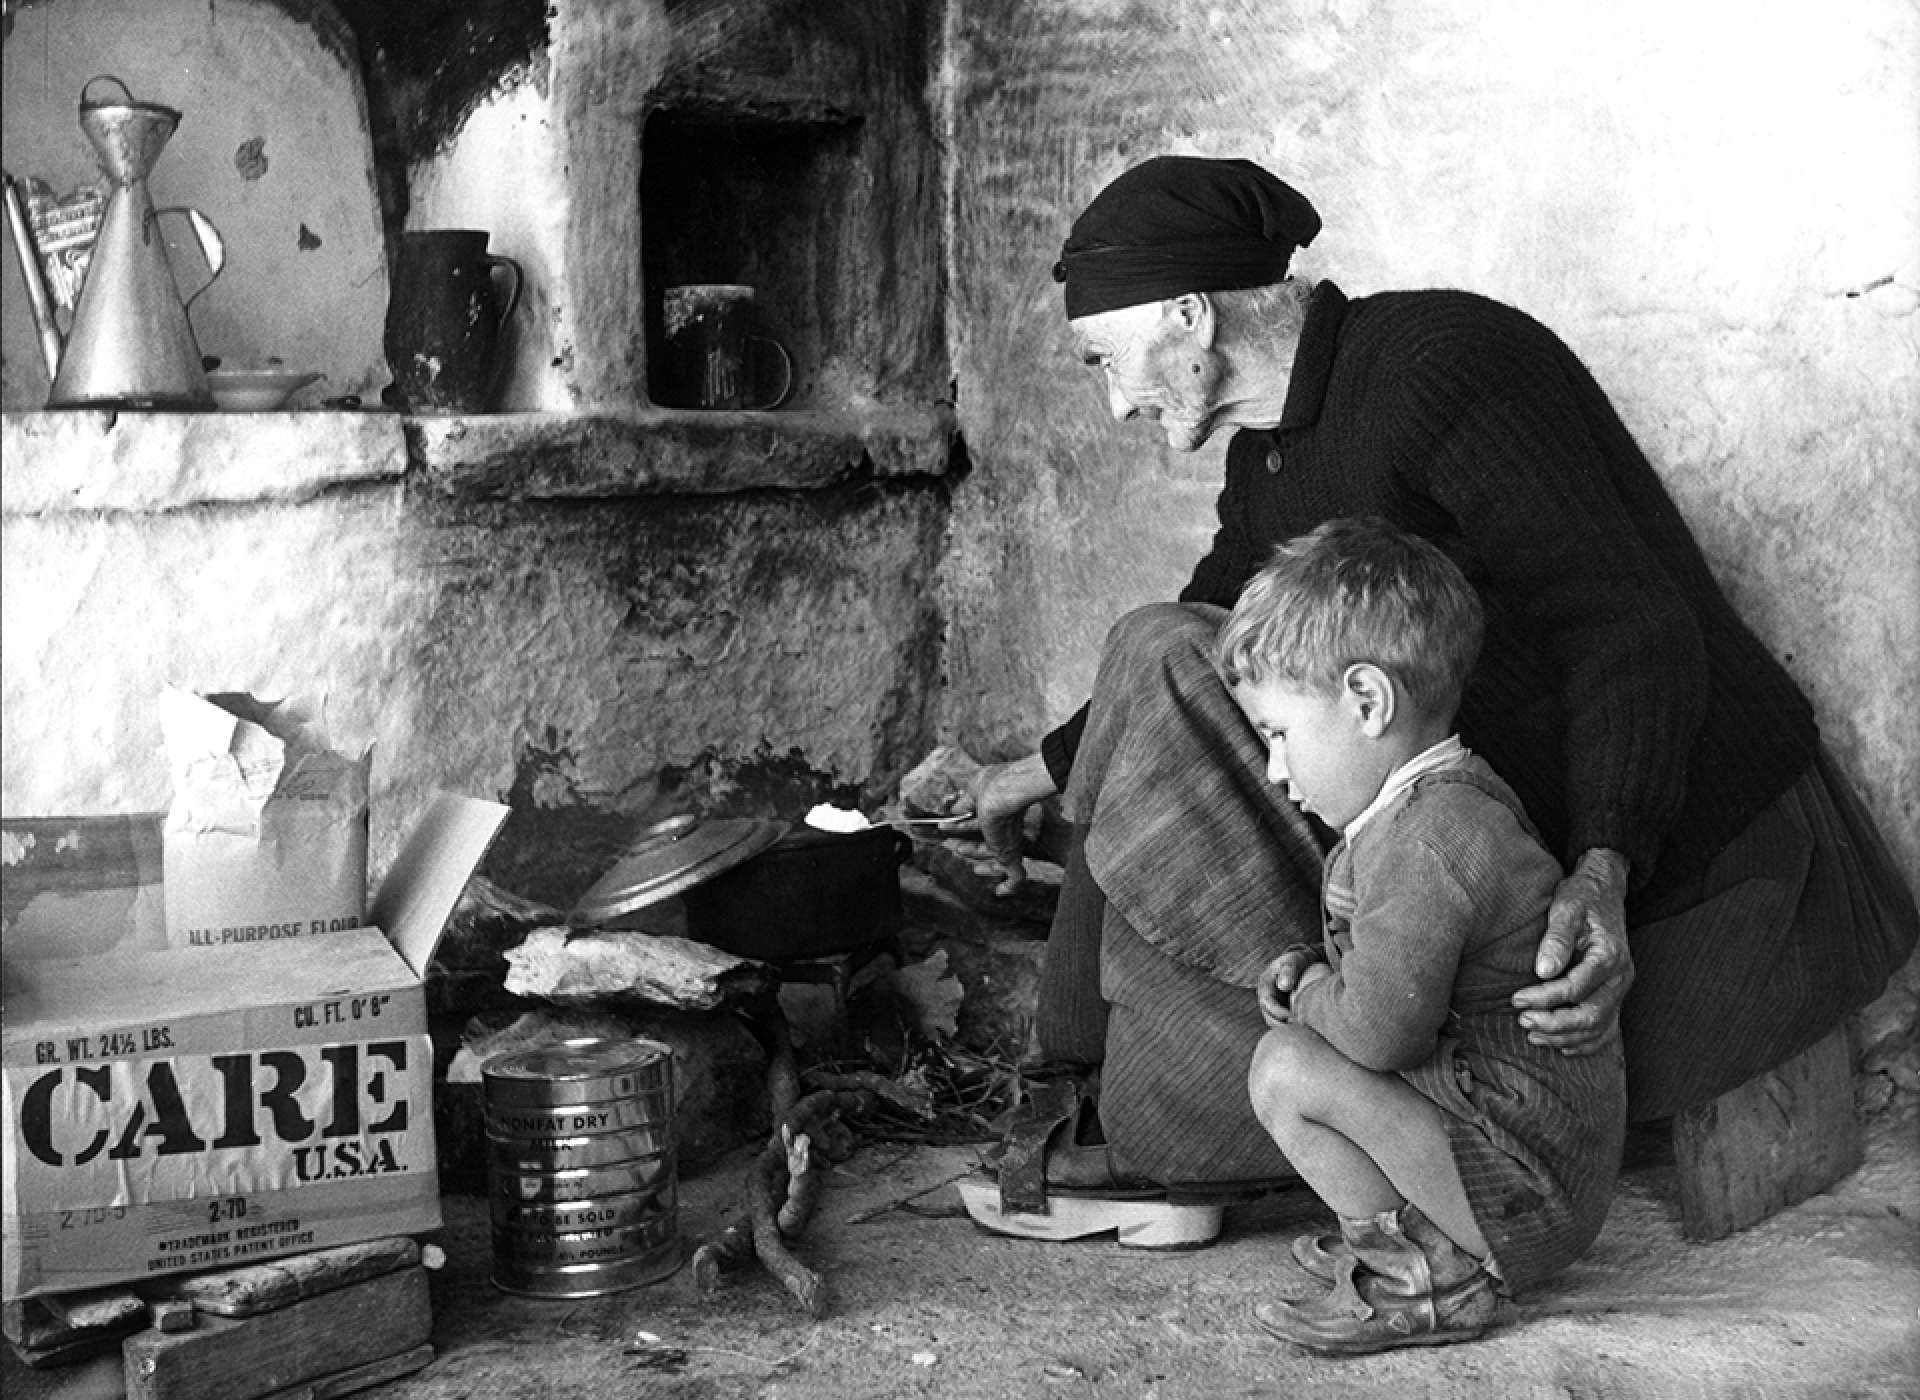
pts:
pixel 1822 1300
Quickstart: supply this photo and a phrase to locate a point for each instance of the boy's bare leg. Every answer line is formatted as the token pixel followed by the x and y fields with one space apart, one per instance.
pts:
pixel 1365 1140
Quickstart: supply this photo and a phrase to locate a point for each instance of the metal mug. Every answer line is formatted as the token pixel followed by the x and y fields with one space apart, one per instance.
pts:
pixel 711 348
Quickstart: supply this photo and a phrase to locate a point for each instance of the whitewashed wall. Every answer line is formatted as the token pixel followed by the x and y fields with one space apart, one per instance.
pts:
pixel 1717 205
pixel 272 147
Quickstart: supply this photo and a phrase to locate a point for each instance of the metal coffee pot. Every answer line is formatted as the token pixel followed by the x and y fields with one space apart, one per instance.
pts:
pixel 131 344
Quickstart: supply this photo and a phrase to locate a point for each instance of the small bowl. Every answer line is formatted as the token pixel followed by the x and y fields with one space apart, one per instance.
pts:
pixel 255 390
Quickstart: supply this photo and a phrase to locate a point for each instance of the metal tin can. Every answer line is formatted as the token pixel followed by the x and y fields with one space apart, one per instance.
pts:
pixel 643 1174
pixel 581 1162
pixel 580 1153
pixel 635 1119
pixel 569 1217
pixel 617 1244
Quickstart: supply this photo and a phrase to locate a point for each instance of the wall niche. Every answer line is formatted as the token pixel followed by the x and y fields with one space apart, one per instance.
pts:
pixel 791 147
pixel 767 204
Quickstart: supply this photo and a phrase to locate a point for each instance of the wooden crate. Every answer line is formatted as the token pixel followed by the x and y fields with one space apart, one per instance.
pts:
pixel 1770 1143
pixel 298 1348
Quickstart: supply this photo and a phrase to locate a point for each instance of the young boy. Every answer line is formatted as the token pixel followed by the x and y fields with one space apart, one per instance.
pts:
pixel 1395 1076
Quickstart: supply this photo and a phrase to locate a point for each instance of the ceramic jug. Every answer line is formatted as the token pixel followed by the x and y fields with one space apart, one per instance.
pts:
pixel 445 315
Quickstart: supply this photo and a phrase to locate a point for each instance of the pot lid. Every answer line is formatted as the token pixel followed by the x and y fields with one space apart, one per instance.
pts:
pixel 669 857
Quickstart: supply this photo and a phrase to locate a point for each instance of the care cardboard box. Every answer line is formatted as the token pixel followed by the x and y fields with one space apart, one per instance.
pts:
pixel 172 1111
pixel 77 887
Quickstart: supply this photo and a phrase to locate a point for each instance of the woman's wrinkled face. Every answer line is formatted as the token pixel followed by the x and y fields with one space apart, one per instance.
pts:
pixel 1154 368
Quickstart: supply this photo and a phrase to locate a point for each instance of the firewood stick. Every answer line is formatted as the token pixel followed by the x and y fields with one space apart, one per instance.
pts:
pixel 866 1081
pixel 724 1253
pixel 783 1074
pixel 803 1187
pixel 733 1246
pixel 821 1115
pixel 783 1187
pixel 766 1184
pixel 768 1025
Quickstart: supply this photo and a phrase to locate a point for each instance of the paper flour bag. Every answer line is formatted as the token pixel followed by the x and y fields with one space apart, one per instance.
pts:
pixel 267 834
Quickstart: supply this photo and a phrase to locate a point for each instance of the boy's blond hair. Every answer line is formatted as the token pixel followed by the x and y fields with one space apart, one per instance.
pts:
pixel 1356 590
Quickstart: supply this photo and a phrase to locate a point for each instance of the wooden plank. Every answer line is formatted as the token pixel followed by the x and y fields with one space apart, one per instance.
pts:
pixel 96 1309
pixel 1768 1144
pixel 358 1377
pixel 246 1358
pixel 59 1318
pixel 60 1329
pixel 61 1355
pixel 172 1314
pixel 258 1288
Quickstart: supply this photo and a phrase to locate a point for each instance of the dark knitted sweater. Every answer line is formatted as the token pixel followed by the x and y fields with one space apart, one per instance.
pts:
pixel 1618 692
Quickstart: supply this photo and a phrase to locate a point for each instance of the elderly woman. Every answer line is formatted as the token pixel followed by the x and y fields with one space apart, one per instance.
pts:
pixel 1723 882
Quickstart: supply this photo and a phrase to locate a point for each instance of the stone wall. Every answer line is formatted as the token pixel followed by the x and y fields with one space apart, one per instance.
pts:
pixel 597 609
pixel 594 660
pixel 1716 205
pixel 272 147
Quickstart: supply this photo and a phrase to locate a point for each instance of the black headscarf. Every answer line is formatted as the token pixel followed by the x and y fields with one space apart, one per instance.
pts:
pixel 1178 224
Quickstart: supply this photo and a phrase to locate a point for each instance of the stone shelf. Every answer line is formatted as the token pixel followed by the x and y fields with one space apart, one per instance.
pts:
pixel 645 451
pixel 88 461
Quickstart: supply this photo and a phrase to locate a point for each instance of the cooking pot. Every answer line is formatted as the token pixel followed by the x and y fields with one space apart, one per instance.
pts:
pixel 808 895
